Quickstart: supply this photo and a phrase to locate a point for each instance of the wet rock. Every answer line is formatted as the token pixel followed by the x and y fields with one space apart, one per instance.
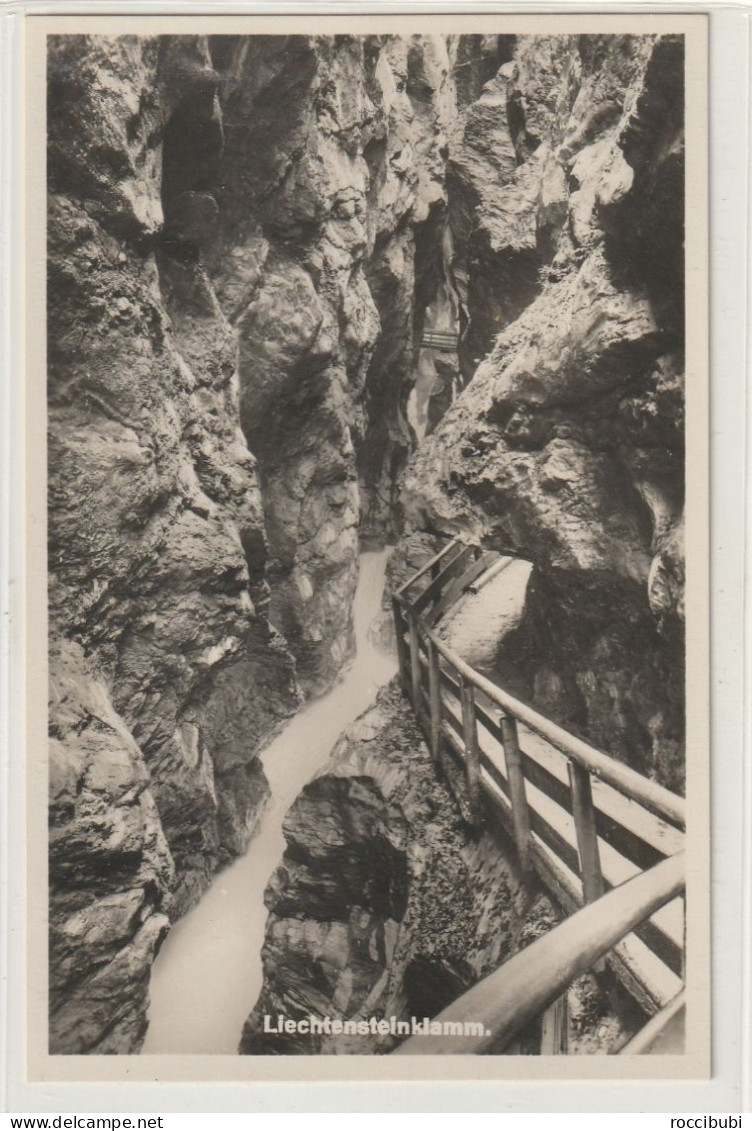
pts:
pixel 385 904
pixel 157 532
pixel 332 197
pixel 567 443
pixel 110 868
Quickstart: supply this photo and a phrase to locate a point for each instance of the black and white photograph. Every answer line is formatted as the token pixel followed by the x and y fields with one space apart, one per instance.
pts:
pixel 374 414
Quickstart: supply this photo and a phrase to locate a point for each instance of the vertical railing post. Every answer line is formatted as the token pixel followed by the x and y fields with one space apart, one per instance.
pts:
pixel 587 834
pixel 434 698
pixel 399 629
pixel 587 838
pixel 554 1026
pixel 517 795
pixel 472 751
pixel 415 664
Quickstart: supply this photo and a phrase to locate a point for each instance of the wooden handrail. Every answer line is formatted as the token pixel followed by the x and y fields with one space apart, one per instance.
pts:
pixel 658 1024
pixel 480 731
pixel 653 796
pixel 504 1002
pixel 426 567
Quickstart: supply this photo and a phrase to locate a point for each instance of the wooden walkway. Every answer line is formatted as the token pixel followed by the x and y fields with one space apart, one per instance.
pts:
pixel 586 823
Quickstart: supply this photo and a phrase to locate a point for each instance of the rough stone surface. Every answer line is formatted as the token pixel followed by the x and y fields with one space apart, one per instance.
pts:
pixel 247 240
pixel 384 904
pixel 241 242
pixel 157 535
pixel 565 193
pixel 111 871
pixel 331 196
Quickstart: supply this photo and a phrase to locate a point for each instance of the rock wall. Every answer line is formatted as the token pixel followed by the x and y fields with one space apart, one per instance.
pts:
pixel 386 905
pixel 563 199
pixel 247 239
pixel 565 191
pixel 157 545
pixel 383 905
pixel 241 240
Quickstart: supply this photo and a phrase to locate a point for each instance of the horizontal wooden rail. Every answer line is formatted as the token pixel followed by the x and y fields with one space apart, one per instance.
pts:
pixel 656 1027
pixel 583 821
pixel 449 569
pixel 447 551
pixel 504 1002
pixel 653 796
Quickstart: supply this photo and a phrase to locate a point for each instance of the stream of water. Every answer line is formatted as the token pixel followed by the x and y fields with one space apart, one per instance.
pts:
pixel 208 974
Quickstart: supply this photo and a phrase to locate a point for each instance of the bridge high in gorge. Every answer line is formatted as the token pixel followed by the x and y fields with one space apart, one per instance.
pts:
pixel 443 340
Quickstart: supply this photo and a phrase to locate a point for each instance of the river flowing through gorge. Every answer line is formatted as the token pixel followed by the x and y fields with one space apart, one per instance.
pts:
pixel 208 973
pixel 307 294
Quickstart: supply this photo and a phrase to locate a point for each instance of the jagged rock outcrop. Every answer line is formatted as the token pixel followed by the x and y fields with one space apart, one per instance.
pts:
pixel 388 905
pixel 241 241
pixel 565 198
pixel 111 871
pixel 330 195
pixel 157 542
pixel 248 237
pixel 383 905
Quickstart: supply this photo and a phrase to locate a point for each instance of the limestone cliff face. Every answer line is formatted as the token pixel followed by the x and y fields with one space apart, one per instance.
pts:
pixel 248 238
pixel 157 542
pixel 234 228
pixel 565 198
pixel 332 180
pixel 383 905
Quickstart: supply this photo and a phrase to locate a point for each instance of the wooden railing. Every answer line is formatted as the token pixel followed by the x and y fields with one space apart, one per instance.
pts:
pixel 583 821
pixel 520 990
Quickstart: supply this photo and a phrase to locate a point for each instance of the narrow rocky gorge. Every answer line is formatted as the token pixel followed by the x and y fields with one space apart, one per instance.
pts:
pixel 249 239
pixel 232 230
pixel 564 448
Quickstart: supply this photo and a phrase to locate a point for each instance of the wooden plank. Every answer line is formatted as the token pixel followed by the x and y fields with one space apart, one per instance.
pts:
pixel 653 796
pixel 399 629
pixel 654 839
pixel 562 855
pixel 434 699
pixel 454 591
pixel 660 941
pixel 661 945
pixel 516 779
pixel 414 661
pixel 454 744
pixel 554 1025
pixel 587 838
pixel 552 844
pixel 435 588
pixel 472 753
pixel 455 761
pixel 489 574
pixel 428 566
pixel 664 938
pixel 495 773
pixel 556 878
pixel 587 835
pixel 646 978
